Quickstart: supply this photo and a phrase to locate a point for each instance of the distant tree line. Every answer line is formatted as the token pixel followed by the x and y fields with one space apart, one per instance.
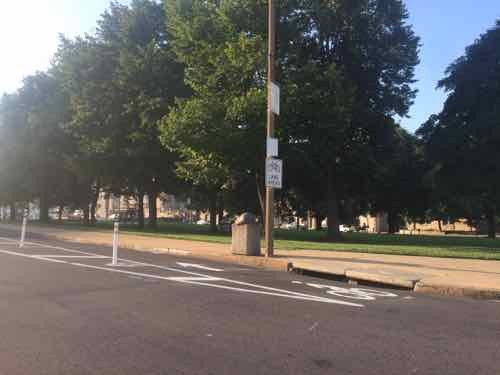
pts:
pixel 171 97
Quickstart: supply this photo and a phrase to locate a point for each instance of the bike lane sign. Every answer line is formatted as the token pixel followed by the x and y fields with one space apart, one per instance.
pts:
pixel 274 173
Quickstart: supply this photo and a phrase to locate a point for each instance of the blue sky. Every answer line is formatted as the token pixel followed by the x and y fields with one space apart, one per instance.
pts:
pixel 29 35
pixel 446 27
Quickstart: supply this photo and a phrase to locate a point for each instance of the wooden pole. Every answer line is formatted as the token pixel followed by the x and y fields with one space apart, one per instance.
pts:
pixel 269 222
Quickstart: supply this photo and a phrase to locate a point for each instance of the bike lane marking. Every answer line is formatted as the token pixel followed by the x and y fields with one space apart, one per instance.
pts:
pixel 194 279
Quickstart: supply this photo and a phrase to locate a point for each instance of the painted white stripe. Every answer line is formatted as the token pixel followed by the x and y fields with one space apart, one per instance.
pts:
pixel 286 294
pixel 31 256
pixel 192 280
pixel 199 266
pixel 72 256
pixel 53 247
pixel 185 279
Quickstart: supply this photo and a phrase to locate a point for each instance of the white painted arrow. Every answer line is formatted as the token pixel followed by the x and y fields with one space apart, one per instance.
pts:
pixel 199 266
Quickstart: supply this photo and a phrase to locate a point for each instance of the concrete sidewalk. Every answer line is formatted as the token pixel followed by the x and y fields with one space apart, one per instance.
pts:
pixel 457 277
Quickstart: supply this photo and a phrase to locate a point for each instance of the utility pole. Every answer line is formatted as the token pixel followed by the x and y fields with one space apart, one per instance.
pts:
pixel 269 222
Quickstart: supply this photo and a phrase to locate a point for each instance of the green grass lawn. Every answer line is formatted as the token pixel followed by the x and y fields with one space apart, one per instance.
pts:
pixel 470 247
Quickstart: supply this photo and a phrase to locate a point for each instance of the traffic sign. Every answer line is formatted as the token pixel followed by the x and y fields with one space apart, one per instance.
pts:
pixel 275 98
pixel 272 147
pixel 274 173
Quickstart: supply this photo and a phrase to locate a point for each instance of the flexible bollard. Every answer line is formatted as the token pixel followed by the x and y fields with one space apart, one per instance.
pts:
pixel 23 231
pixel 115 244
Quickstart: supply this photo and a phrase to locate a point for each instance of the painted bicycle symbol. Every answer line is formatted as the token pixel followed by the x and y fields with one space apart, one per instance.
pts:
pixel 353 293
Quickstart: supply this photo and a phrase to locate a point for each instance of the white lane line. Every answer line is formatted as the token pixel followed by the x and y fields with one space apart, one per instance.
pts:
pixel 31 256
pixel 286 293
pixel 260 288
pixel 71 256
pixel 199 266
pixel 194 281
pixel 240 283
pixel 54 247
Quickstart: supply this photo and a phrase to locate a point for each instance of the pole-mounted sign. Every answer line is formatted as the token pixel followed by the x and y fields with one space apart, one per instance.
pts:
pixel 274 173
pixel 271 147
pixel 275 98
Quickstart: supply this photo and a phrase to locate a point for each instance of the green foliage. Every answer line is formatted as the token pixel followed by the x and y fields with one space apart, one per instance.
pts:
pixel 171 96
pixel 219 131
pixel 463 141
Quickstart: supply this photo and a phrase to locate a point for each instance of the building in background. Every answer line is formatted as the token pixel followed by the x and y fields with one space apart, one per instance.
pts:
pixel 168 207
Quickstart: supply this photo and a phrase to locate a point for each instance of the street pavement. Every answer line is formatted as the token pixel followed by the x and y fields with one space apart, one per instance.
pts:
pixel 428 275
pixel 64 309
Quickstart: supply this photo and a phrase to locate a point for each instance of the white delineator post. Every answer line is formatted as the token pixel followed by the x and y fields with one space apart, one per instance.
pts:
pixel 23 231
pixel 115 244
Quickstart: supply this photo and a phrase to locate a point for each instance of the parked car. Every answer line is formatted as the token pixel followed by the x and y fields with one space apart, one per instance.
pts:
pixel 225 224
pixel 345 229
pixel 114 217
pixel 76 215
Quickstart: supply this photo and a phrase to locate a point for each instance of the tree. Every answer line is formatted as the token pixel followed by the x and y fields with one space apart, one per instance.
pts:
pixel 218 132
pixel 14 166
pixel 35 142
pixel 398 187
pixel 463 141
pixel 122 81
pixel 351 64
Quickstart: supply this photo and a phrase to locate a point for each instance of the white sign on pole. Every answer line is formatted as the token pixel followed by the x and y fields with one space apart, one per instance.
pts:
pixel 272 147
pixel 275 98
pixel 274 173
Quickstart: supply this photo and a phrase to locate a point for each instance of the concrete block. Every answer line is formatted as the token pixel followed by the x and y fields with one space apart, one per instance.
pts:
pixel 245 239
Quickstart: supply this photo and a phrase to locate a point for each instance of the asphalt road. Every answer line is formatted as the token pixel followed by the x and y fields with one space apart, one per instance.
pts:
pixel 65 310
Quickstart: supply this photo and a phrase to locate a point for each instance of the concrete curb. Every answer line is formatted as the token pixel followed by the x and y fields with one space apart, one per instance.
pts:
pixel 410 282
pixel 435 288
pixel 400 280
pixel 391 279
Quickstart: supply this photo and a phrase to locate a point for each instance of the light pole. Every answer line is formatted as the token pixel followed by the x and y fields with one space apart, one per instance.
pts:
pixel 269 221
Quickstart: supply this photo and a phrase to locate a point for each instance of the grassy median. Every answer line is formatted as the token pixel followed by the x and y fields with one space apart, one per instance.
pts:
pixel 469 247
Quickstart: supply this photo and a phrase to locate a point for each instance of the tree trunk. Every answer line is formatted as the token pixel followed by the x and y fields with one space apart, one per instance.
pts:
pixel 140 210
pixel 319 220
pixel 260 196
pixel 440 226
pixel 220 211
pixel 60 214
pixel 392 220
pixel 13 213
pixel 333 217
pixel 491 219
pixel 93 219
pixel 86 212
pixel 213 213
pixel 93 207
pixel 44 209
pixel 152 220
